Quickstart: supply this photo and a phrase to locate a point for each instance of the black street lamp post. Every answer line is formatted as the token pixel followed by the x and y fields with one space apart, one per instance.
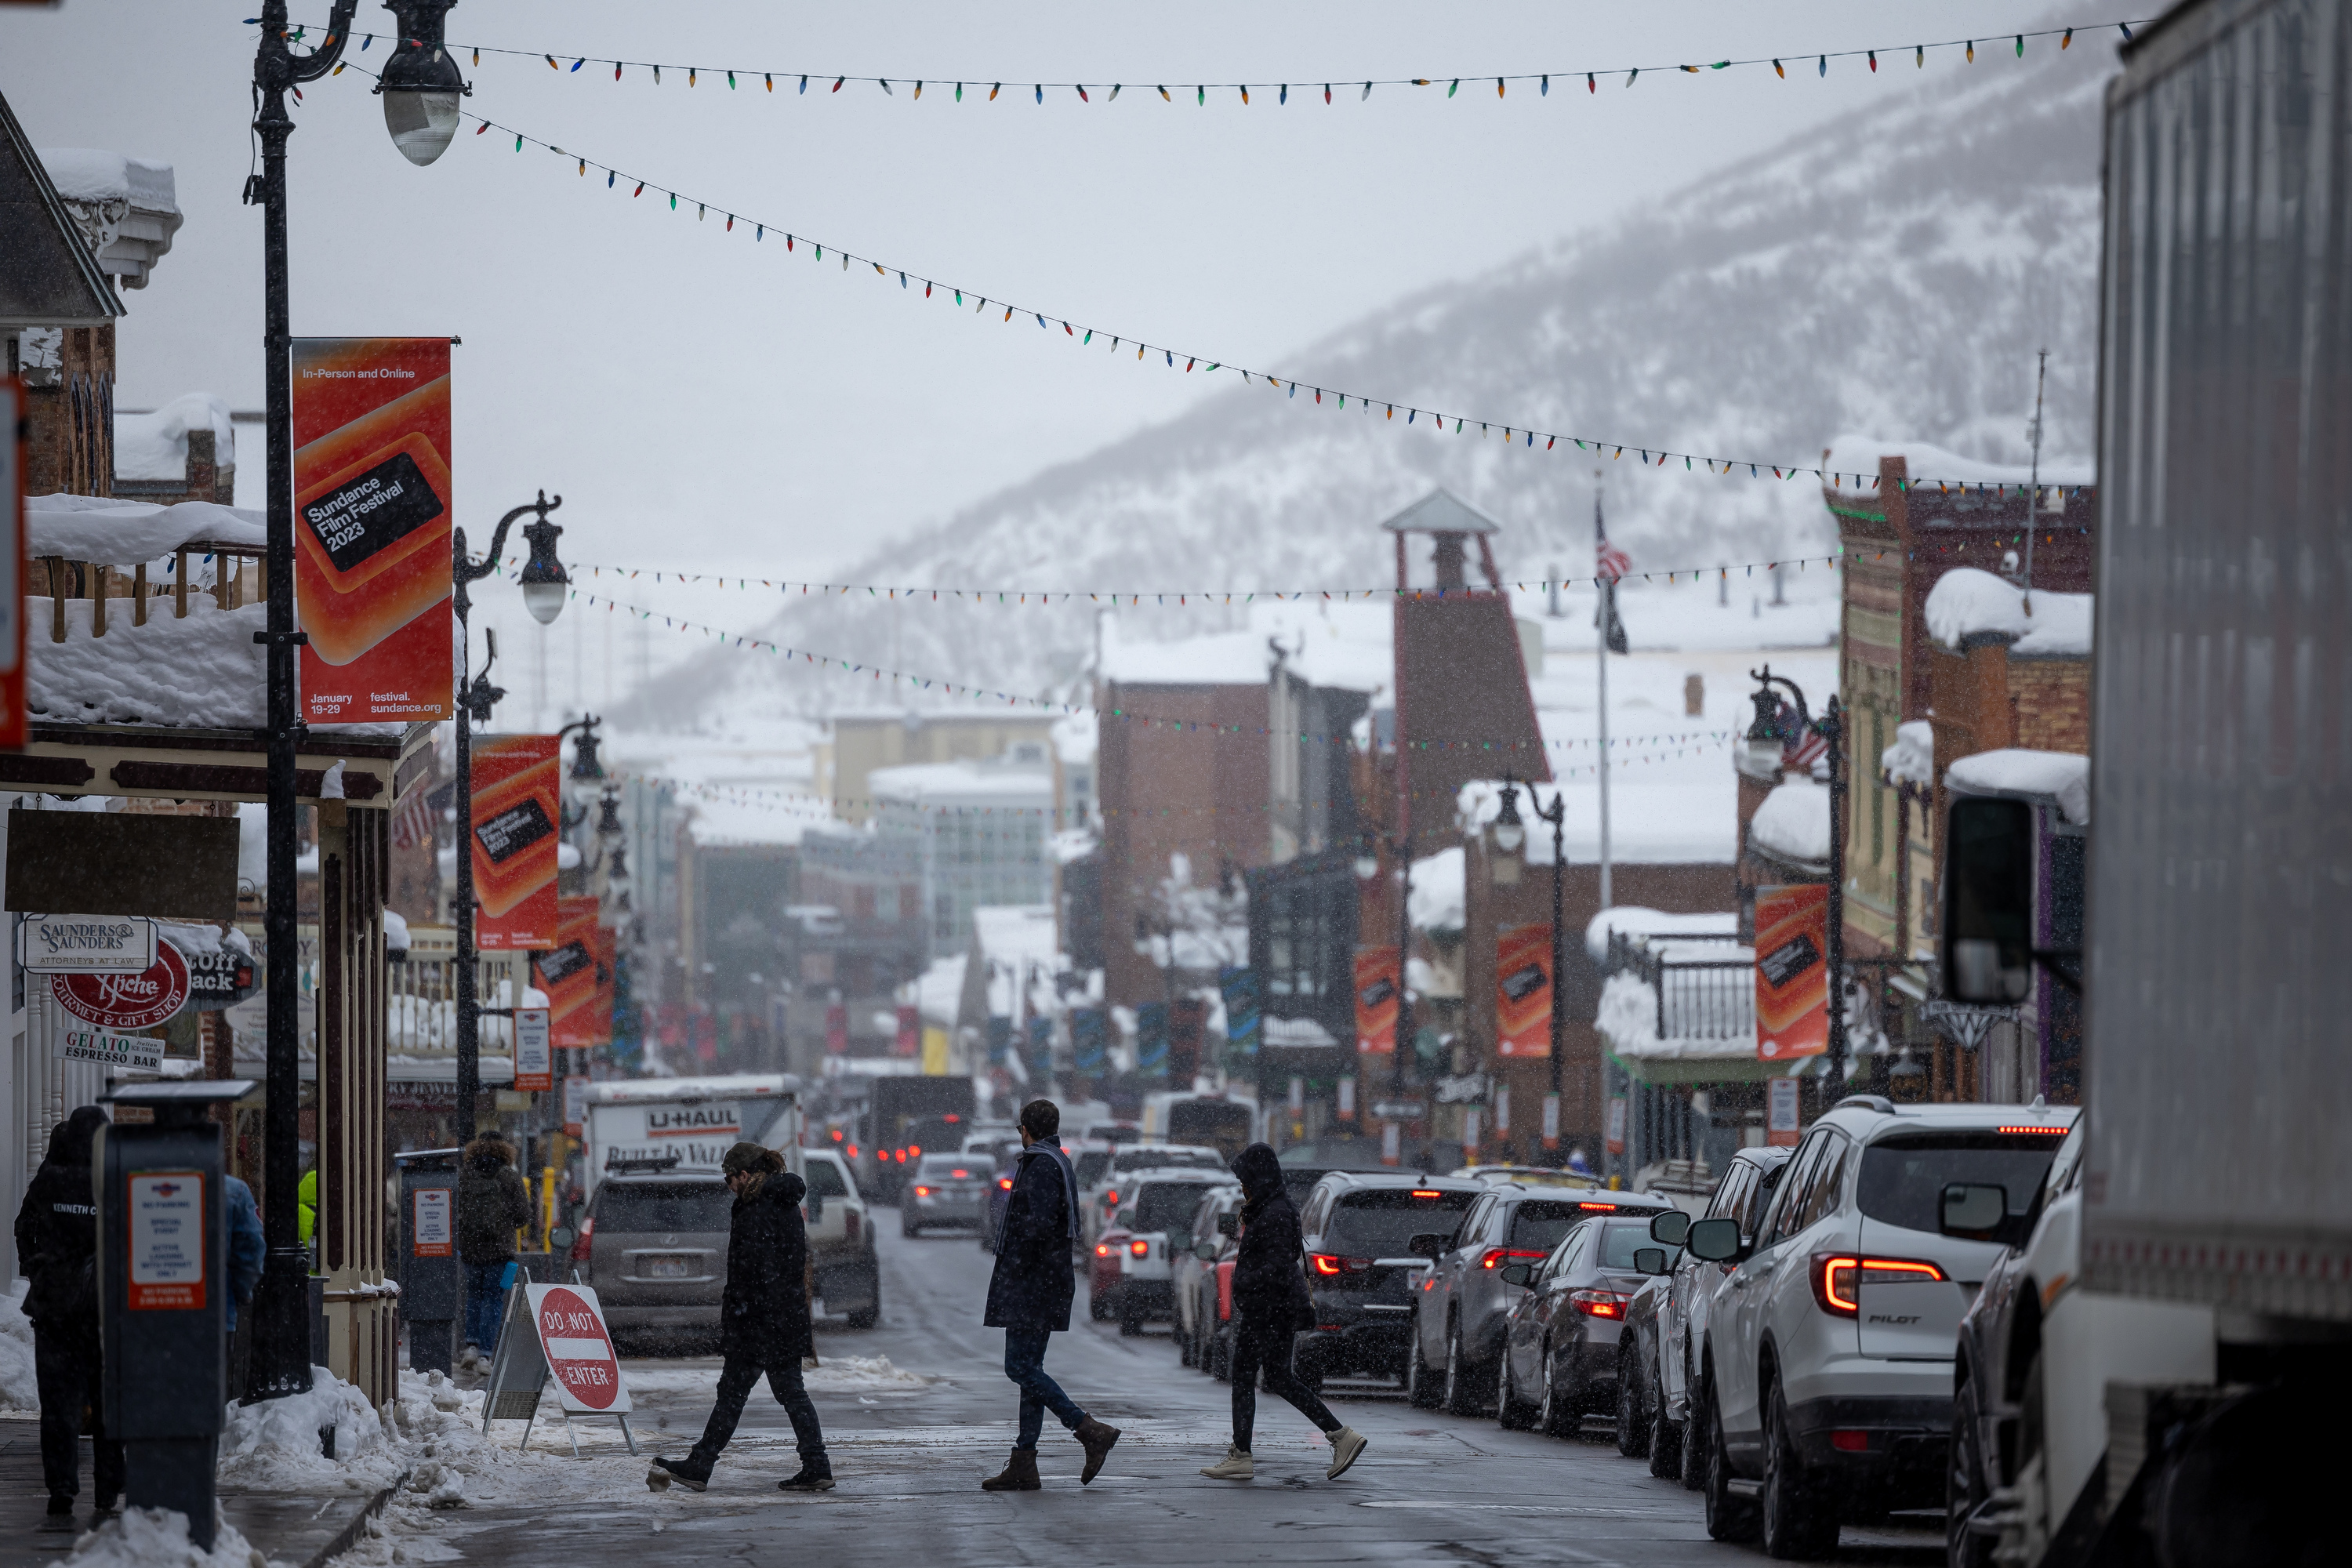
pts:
pixel 1510 834
pixel 421 86
pixel 1830 728
pixel 544 587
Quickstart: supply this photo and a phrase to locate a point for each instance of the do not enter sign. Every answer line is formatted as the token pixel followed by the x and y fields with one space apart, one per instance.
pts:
pixel 578 1347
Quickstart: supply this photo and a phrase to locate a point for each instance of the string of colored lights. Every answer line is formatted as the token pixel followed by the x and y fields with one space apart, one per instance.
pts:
pixel 1081 335
pixel 1170 88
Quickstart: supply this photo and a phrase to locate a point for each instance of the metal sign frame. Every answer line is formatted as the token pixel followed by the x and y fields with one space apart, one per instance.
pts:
pixel 518 1370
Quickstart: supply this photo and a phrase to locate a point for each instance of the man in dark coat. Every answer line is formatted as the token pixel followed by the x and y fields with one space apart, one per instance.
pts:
pixel 56 1247
pixel 1271 1304
pixel 491 1206
pixel 763 1321
pixel 1029 1296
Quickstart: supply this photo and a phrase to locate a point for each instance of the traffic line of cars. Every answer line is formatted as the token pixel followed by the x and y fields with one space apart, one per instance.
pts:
pixel 1791 1354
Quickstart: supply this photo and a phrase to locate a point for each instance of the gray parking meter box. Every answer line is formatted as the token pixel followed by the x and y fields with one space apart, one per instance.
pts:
pixel 163 1290
pixel 432 1291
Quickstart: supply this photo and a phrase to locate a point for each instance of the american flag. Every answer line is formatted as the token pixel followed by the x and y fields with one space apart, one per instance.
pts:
pixel 412 825
pixel 1607 562
pixel 1805 748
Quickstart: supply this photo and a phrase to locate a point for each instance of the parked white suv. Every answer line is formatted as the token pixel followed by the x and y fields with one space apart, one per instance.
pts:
pixel 1827 1370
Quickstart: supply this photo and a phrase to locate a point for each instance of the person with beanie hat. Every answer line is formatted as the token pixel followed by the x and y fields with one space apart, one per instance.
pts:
pixel 1271 1304
pixel 764 1322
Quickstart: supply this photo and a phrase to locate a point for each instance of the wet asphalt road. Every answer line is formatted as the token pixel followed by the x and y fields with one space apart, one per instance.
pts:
pixel 1431 1488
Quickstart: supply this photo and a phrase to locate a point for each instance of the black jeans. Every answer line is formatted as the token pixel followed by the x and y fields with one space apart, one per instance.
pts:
pixel 1024 1363
pixel 736 1381
pixel 1259 1342
pixel 68 1371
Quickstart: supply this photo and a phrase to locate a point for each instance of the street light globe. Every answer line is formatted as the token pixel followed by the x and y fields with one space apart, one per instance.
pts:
pixel 545 601
pixel 1367 866
pixel 422 124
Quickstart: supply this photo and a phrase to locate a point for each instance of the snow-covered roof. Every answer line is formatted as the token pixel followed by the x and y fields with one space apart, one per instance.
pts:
pixel 1077 737
pixel 2060 776
pixel 126 208
pixel 1305 1032
pixel 205 672
pixel 1440 900
pixel 939 990
pixel 961 783
pixel 1015 933
pixel 1851 466
pixel 94 174
pixel 1442 511
pixel 1346 645
pixel 110 532
pixel 155 445
pixel 1912 759
pixel 1968 601
pixel 1073 844
pixel 1635 920
pixel 1793 822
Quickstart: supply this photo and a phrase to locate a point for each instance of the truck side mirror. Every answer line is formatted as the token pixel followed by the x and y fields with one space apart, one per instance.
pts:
pixel 1670 1228
pixel 1650 1261
pixel 1713 1241
pixel 1986 934
pixel 1976 1211
pixel 1207 1251
pixel 1519 1274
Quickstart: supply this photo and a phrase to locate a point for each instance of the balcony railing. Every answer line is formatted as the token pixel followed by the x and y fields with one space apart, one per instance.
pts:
pixel 1704 984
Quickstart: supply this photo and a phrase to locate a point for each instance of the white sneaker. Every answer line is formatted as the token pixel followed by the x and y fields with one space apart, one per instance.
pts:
pixel 1346 1444
pixel 472 1359
pixel 1234 1467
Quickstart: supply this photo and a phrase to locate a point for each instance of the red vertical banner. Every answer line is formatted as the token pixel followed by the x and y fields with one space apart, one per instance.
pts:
pixel 371 520
pixel 1793 976
pixel 572 973
pixel 910 1030
pixel 1523 990
pixel 836 1029
pixel 516 812
pixel 13 722
pixel 1376 1000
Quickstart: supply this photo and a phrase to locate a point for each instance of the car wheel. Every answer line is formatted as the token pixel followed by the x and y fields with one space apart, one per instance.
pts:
pixel 1632 1408
pixel 909 1228
pixel 1509 1411
pixel 870 1314
pixel 1421 1385
pixel 1965 1487
pixel 1461 1398
pixel 1698 1433
pixel 1131 1321
pixel 1798 1518
pixel 1728 1518
pixel 1556 1414
pixel 1665 1437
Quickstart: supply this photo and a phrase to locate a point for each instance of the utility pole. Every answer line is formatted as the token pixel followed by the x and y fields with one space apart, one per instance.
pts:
pixel 1608 593
pixel 2034 490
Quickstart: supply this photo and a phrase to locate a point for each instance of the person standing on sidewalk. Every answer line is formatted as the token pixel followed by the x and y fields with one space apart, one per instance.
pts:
pixel 1271 1304
pixel 56 1249
pixel 1029 1296
pixel 491 1206
pixel 763 1321
pixel 247 1249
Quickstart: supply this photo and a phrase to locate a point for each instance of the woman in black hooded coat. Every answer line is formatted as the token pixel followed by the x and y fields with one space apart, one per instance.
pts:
pixel 1271 1304
pixel 56 1244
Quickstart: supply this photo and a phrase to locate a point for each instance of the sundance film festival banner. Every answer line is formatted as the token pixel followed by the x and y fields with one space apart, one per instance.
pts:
pixel 577 975
pixel 372 520
pixel 1376 1000
pixel 515 830
pixel 1523 990
pixel 1793 976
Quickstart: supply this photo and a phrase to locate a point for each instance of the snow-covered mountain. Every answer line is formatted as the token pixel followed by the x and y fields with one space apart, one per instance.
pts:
pixel 1894 270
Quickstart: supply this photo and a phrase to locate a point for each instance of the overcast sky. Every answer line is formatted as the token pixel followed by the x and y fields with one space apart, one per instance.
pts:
pixel 702 400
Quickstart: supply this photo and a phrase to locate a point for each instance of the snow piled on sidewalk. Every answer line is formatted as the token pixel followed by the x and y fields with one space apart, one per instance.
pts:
pixel 157 1538
pixel 274 1446
pixel 18 1391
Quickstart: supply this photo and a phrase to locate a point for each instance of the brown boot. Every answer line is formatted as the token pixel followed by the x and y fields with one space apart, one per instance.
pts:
pixel 1096 1439
pixel 1020 1474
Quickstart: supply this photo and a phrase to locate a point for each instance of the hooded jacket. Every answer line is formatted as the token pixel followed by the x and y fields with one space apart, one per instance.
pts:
pixel 57 1228
pixel 491 1202
pixel 764 1315
pixel 1269 1277
pixel 1033 1282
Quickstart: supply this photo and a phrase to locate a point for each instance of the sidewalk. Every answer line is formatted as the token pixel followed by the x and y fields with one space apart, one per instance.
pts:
pixel 287 1528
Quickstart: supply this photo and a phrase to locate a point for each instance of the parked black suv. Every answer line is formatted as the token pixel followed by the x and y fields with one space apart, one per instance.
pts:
pixel 1362 1270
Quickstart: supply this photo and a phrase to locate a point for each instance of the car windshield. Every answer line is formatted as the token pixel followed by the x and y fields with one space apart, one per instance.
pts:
pixel 662 1206
pixel 825 1180
pixel 1167 1205
pixel 1091 1163
pixel 1541 1224
pixel 952 1168
pixel 1383 1223
pixel 1620 1240
pixel 1902 1179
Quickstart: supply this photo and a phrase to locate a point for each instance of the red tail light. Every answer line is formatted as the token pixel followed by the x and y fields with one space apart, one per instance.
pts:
pixel 1837 1278
pixel 1004 1184
pixel 2034 1131
pixel 1598 1208
pixel 853 1150
pixel 1599 1303
pixel 1426 1193
pixel 836 1134
pixel 923 1192
pixel 1331 1265
pixel 580 1243
pixel 1139 1248
pixel 916 1150
pixel 1495 1256
pixel 959 1175
pixel 1111 1198
pixel 1103 1250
